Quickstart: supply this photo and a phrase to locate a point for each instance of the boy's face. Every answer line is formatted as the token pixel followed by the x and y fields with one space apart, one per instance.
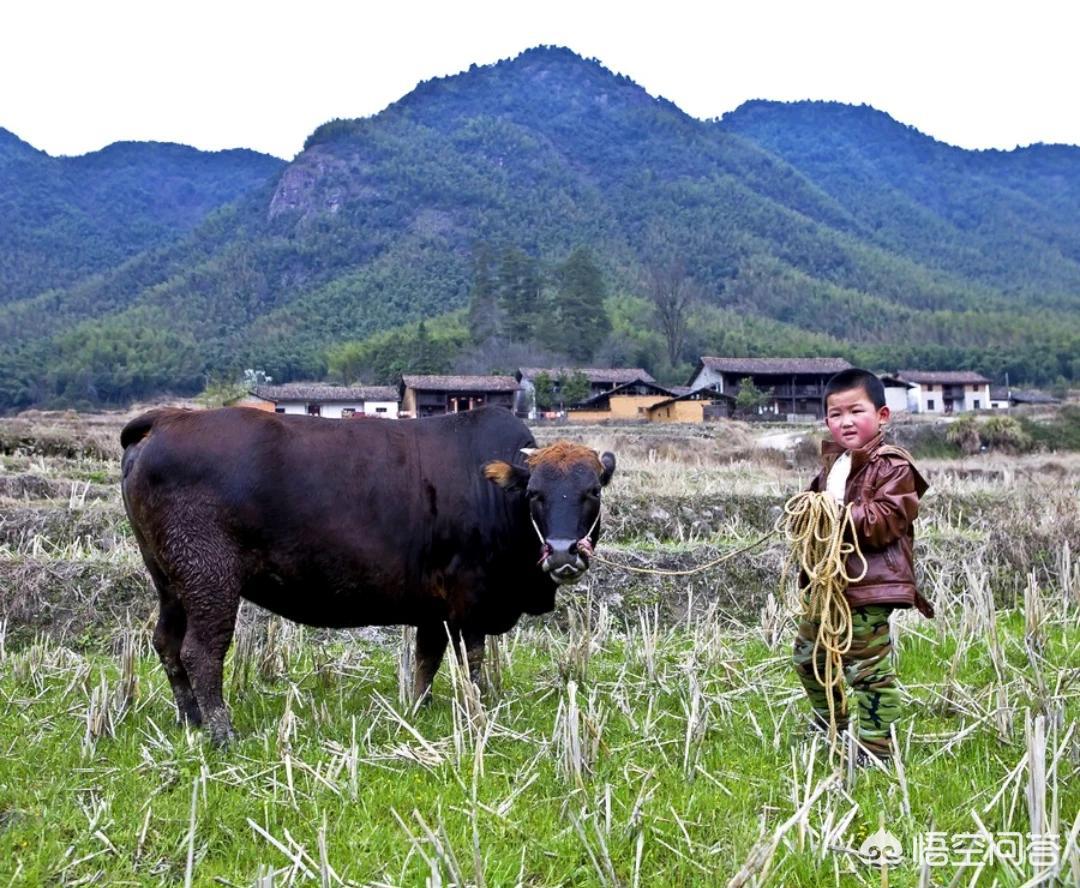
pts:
pixel 852 418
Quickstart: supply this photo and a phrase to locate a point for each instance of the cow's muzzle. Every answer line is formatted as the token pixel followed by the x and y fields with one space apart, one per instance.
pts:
pixel 565 561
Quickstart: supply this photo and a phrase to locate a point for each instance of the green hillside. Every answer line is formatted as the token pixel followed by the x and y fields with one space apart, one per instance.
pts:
pixel 69 217
pixel 806 228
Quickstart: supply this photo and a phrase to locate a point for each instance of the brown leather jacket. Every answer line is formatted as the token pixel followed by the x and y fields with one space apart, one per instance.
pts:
pixel 883 488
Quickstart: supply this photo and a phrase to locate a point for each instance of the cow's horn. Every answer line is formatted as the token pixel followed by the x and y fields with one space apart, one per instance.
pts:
pixel 529 451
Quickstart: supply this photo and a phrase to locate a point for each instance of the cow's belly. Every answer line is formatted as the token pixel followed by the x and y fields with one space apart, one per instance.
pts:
pixel 339 588
pixel 339 607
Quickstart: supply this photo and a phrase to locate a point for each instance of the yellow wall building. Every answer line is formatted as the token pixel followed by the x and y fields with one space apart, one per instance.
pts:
pixel 629 401
pixel 703 405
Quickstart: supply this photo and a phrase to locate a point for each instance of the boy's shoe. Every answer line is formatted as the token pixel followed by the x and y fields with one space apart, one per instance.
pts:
pixel 817 731
pixel 864 758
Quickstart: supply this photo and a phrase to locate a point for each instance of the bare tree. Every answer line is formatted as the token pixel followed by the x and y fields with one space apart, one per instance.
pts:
pixel 672 292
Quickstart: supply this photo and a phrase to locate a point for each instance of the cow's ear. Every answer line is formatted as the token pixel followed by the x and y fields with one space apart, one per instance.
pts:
pixel 607 460
pixel 507 476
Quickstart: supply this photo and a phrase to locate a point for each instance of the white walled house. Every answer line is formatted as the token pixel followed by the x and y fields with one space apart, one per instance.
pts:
pixel 946 391
pixel 317 399
pixel 897 393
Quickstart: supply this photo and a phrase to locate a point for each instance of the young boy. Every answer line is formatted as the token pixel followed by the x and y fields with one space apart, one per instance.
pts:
pixel 883 486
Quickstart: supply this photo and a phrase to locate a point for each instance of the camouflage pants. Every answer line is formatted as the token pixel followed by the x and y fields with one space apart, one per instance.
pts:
pixel 868 668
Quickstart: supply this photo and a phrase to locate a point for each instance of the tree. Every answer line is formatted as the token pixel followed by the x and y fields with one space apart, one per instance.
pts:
pixel 560 391
pixel 750 398
pixel 486 316
pixel 518 292
pixel 580 320
pixel 672 293
pixel 573 387
pixel 221 389
pixel 544 391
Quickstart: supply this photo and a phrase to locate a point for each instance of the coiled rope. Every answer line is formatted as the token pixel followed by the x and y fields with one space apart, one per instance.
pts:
pixel 822 538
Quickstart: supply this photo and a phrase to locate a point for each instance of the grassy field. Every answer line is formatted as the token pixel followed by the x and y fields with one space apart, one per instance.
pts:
pixel 650 732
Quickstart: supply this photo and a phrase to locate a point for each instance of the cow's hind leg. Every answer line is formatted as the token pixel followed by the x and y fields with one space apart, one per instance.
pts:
pixel 431 641
pixel 208 584
pixel 168 639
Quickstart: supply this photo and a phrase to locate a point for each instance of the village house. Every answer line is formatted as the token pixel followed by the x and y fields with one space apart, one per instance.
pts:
pixel 600 380
pixel 320 399
pixel 946 391
pixel 701 405
pixel 628 401
pixel 793 386
pixel 1002 398
pixel 435 395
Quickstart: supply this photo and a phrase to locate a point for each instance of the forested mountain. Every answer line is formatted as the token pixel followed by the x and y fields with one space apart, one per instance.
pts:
pixel 68 217
pixel 809 228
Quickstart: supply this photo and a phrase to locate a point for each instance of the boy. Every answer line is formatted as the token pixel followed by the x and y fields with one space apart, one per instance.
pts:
pixel 883 486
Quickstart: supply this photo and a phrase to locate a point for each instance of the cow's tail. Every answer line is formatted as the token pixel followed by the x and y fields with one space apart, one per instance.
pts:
pixel 136 432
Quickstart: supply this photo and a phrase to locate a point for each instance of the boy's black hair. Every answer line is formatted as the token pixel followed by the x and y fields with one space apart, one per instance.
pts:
pixel 854 378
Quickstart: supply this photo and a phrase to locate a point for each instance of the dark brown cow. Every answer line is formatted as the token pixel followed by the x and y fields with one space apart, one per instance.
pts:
pixel 334 523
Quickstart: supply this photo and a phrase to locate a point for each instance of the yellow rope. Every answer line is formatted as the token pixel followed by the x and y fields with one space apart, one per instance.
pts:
pixel 816 528
pixel 690 571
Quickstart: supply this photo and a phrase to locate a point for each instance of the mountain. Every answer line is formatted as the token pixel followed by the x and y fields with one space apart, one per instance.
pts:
pixel 808 227
pixel 1006 218
pixel 69 217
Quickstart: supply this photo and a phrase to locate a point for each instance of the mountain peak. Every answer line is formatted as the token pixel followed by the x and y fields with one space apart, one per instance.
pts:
pixel 541 83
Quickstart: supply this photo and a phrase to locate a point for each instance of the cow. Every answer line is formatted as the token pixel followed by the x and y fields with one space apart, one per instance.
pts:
pixel 454 524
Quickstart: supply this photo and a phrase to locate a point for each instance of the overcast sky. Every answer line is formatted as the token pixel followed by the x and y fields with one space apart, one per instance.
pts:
pixel 75 76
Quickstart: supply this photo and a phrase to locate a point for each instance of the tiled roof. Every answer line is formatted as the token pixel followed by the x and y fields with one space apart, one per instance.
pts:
pixel 946 377
pixel 1032 396
pixel 705 393
pixel 317 391
pixel 614 375
pixel 624 389
pixel 751 366
pixel 462 383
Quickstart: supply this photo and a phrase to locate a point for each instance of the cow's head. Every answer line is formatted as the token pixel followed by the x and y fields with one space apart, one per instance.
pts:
pixel 562 483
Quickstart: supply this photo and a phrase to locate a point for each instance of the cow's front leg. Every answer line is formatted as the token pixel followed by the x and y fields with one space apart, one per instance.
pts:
pixel 431 642
pixel 473 643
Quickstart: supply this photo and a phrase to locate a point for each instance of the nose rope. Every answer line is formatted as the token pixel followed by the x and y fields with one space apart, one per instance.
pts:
pixel 584 544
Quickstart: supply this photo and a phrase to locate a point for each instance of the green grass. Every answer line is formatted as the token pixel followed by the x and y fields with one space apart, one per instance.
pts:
pixel 320 755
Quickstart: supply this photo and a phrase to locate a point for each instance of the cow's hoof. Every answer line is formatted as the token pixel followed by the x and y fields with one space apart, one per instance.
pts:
pixel 192 718
pixel 221 731
pixel 222 739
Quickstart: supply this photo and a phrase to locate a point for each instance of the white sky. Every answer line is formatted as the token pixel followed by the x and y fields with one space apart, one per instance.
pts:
pixel 75 76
